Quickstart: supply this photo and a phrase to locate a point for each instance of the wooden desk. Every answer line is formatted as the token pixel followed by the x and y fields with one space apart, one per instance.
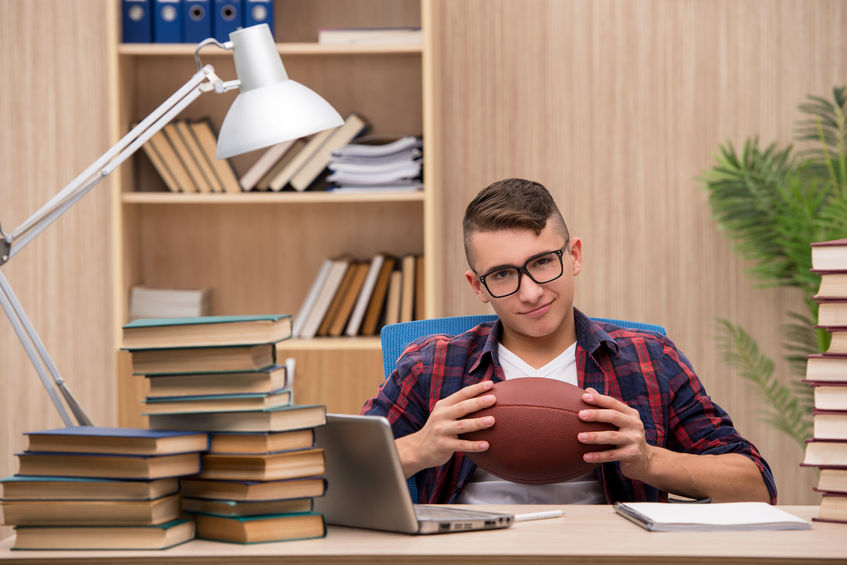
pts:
pixel 585 534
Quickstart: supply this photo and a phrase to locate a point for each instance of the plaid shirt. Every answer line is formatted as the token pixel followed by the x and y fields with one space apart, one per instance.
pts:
pixel 643 369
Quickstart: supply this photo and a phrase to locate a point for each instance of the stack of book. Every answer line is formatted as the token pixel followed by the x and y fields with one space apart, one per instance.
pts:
pixel 219 375
pixel 351 297
pixel 147 302
pixel 299 164
pixel 395 166
pixel 827 373
pixel 101 488
pixel 184 155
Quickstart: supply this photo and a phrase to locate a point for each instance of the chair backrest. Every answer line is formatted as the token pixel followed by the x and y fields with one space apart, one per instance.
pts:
pixel 395 337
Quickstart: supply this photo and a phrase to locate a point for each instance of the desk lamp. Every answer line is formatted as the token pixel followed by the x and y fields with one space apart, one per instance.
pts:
pixel 270 109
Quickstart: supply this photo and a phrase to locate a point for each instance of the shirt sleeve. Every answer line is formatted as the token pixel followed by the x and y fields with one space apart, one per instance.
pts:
pixel 698 425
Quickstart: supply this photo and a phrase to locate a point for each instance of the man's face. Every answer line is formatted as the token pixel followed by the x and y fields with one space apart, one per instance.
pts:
pixel 535 310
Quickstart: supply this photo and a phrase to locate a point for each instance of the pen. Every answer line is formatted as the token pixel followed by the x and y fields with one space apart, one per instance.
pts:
pixel 538 515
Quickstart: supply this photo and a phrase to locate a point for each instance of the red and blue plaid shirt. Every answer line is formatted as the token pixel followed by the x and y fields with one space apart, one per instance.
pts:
pixel 643 369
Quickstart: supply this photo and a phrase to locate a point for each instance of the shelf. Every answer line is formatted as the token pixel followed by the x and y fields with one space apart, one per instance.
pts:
pixel 163 49
pixel 332 344
pixel 270 198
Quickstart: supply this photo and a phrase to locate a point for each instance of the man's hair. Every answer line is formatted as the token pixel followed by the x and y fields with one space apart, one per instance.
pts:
pixel 511 204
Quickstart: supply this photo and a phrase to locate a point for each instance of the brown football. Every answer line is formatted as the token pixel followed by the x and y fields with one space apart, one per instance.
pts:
pixel 533 439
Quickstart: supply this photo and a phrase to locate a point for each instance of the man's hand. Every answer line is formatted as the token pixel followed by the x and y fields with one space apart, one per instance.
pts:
pixel 631 448
pixel 436 442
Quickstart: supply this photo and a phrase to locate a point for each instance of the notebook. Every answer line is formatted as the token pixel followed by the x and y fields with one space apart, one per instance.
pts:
pixel 367 489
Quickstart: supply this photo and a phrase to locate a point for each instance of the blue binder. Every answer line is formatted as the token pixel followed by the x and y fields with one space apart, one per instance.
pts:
pixel 196 20
pixel 227 18
pixel 137 21
pixel 167 21
pixel 259 12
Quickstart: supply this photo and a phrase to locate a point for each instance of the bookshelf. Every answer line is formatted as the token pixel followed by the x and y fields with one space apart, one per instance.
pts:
pixel 259 252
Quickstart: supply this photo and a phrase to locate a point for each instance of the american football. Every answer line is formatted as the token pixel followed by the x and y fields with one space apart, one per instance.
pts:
pixel 533 439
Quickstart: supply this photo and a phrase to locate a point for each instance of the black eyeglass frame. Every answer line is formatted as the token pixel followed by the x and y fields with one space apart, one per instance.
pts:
pixel 522 270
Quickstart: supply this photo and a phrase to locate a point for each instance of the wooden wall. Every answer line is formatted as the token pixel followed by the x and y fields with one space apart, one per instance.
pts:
pixel 54 125
pixel 617 106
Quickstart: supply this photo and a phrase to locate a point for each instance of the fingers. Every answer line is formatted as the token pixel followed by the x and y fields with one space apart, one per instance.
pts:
pixel 591 396
pixel 468 392
pixel 466 401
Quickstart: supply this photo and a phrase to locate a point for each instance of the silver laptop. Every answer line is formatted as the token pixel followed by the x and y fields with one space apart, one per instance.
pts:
pixel 366 487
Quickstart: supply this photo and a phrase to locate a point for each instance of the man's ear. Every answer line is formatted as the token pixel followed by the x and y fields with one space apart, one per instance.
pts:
pixel 476 286
pixel 575 252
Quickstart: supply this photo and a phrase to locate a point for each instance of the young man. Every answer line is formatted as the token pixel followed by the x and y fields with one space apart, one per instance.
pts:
pixel 670 437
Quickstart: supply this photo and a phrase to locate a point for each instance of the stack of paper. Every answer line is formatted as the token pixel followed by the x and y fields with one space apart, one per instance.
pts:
pixel 368 168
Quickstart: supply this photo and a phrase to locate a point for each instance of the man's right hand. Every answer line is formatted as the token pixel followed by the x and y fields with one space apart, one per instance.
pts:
pixel 436 442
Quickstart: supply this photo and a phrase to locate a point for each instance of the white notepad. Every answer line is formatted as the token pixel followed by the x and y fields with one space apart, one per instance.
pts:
pixel 665 517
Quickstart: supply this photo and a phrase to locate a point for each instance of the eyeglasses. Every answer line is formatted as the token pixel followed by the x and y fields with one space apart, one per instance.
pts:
pixel 542 268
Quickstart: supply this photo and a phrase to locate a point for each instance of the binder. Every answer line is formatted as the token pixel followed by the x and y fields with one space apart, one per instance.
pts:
pixel 196 20
pixel 167 21
pixel 137 21
pixel 227 18
pixel 259 12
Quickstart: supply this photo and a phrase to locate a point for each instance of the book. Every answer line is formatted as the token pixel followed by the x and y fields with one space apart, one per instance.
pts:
pixel 833 284
pixel 145 302
pixel 358 313
pixel 342 135
pixel 208 142
pixel 829 395
pixel 264 467
pixel 257 529
pixel 392 302
pixel 234 359
pixel 377 301
pixel 207 173
pixel 172 163
pixel 217 403
pixel 337 299
pixel 90 512
pixel 833 508
pixel 829 424
pixel 160 536
pixel 351 294
pixel 838 342
pixel 261 442
pixel 832 479
pixel 822 453
pixel 278 420
pixel 188 160
pixel 253 491
pixel 240 508
pixel 20 487
pixel 832 312
pixel 265 182
pixel 829 254
pixel 370 36
pixel 172 333
pixel 109 466
pixel 407 292
pixel 334 276
pixel 306 152
pixel 124 441
pixel 264 380
pixel 663 517
pixel 263 164
pixel 825 367
pixel 160 165
pixel 311 297
pixel 420 306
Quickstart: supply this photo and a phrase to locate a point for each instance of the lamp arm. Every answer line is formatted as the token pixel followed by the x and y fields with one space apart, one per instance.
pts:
pixel 203 81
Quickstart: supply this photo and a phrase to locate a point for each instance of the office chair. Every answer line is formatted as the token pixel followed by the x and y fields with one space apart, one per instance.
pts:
pixel 395 338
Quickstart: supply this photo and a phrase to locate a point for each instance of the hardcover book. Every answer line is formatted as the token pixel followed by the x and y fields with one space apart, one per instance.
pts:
pixel 237 508
pixel 253 491
pixel 125 441
pixel 108 466
pixel 264 467
pixel 264 380
pixel 257 529
pixel 276 420
pixel 160 536
pixel 20 487
pixel 261 442
pixel 90 512
pixel 217 403
pixel 224 359
pixel 171 333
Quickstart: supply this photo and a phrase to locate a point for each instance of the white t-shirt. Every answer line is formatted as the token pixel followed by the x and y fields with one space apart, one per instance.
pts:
pixel 485 488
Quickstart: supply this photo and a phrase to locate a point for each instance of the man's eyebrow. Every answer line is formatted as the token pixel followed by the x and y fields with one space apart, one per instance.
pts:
pixel 528 259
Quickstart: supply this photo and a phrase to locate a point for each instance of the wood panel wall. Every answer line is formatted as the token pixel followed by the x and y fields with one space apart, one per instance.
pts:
pixel 54 125
pixel 616 107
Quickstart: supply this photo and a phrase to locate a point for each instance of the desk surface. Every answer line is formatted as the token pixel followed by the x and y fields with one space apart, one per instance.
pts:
pixel 585 534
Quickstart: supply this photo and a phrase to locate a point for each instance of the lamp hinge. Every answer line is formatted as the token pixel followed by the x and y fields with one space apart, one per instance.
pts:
pixel 5 246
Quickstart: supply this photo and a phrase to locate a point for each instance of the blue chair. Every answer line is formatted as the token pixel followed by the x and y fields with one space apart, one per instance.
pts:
pixel 395 338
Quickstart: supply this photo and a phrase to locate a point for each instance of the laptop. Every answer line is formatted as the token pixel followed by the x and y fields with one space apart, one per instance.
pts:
pixel 366 487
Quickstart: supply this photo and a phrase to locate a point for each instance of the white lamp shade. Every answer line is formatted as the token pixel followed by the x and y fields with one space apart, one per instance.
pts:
pixel 271 108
